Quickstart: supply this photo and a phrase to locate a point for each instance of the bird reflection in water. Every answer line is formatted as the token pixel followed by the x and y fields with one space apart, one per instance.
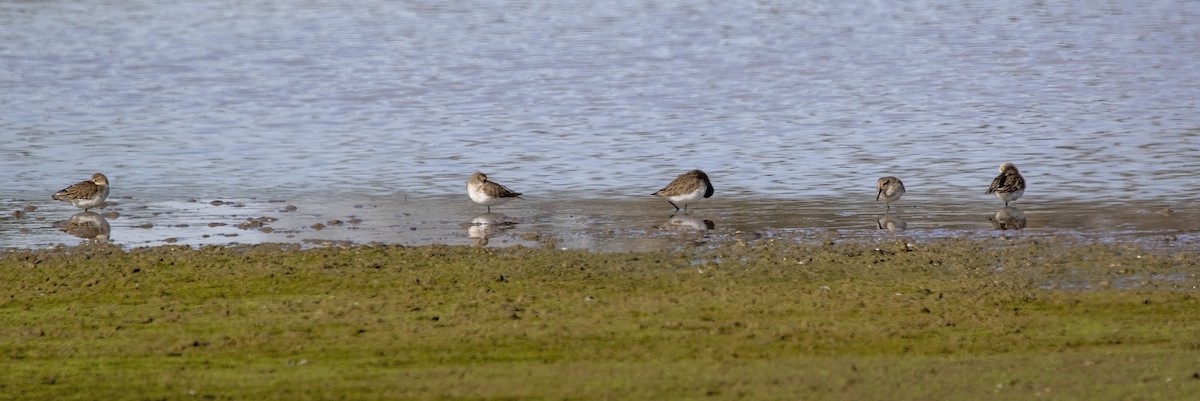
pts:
pixel 486 226
pixel 1008 218
pixel 86 225
pixel 890 221
pixel 684 223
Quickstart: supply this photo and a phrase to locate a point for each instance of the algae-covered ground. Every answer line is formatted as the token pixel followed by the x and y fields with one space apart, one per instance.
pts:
pixel 949 319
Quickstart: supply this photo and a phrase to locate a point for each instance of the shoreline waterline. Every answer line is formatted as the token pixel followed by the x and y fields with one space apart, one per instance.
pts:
pixel 620 224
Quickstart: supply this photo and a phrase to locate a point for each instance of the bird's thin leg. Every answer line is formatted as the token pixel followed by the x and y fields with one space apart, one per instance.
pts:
pixel 676 206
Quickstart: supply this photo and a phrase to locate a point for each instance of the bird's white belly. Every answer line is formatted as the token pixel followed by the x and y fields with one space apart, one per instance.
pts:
pixel 1010 196
pixel 483 199
pixel 95 201
pixel 690 196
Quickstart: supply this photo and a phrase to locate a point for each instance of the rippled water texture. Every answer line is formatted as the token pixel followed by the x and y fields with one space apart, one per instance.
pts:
pixel 380 103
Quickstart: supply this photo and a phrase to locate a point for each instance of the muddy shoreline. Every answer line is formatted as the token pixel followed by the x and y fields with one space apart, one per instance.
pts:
pixel 621 224
pixel 943 319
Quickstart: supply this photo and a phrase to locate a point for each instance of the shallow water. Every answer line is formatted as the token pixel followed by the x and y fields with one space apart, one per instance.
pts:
pixel 793 108
pixel 602 225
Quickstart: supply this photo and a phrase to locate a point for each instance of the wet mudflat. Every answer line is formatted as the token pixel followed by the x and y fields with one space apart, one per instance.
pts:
pixel 622 223
pixel 981 318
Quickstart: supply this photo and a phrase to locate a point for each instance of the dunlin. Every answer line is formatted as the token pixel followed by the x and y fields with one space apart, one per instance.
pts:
pixel 1009 185
pixel 687 188
pixel 488 193
pixel 890 189
pixel 85 194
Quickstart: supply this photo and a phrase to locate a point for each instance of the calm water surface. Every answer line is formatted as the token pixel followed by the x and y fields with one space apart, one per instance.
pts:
pixel 382 109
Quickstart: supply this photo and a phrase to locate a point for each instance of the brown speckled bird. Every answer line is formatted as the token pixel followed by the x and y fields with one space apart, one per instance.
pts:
pixel 85 194
pixel 488 193
pixel 687 188
pixel 1009 185
pixel 889 189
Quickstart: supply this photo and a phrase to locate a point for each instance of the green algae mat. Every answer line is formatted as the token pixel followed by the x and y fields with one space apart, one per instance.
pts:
pixel 950 319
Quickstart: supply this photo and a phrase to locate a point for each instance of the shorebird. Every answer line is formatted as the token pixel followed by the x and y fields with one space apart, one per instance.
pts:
pixel 1009 185
pixel 890 189
pixel 488 193
pixel 85 194
pixel 687 188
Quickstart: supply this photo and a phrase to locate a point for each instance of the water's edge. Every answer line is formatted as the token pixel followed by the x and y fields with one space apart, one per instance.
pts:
pixel 621 224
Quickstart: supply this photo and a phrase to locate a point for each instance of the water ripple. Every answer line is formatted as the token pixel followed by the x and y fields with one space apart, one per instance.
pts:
pixel 1095 101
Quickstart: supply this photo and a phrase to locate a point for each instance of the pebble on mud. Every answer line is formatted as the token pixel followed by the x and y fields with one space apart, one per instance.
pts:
pixel 289 208
pixel 18 214
pixel 318 226
pixel 30 208
pixel 255 222
pixel 249 224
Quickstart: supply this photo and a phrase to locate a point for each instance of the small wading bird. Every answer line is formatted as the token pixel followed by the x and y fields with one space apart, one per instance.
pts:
pixel 1009 185
pixel 890 189
pixel 687 188
pixel 85 194
pixel 488 193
